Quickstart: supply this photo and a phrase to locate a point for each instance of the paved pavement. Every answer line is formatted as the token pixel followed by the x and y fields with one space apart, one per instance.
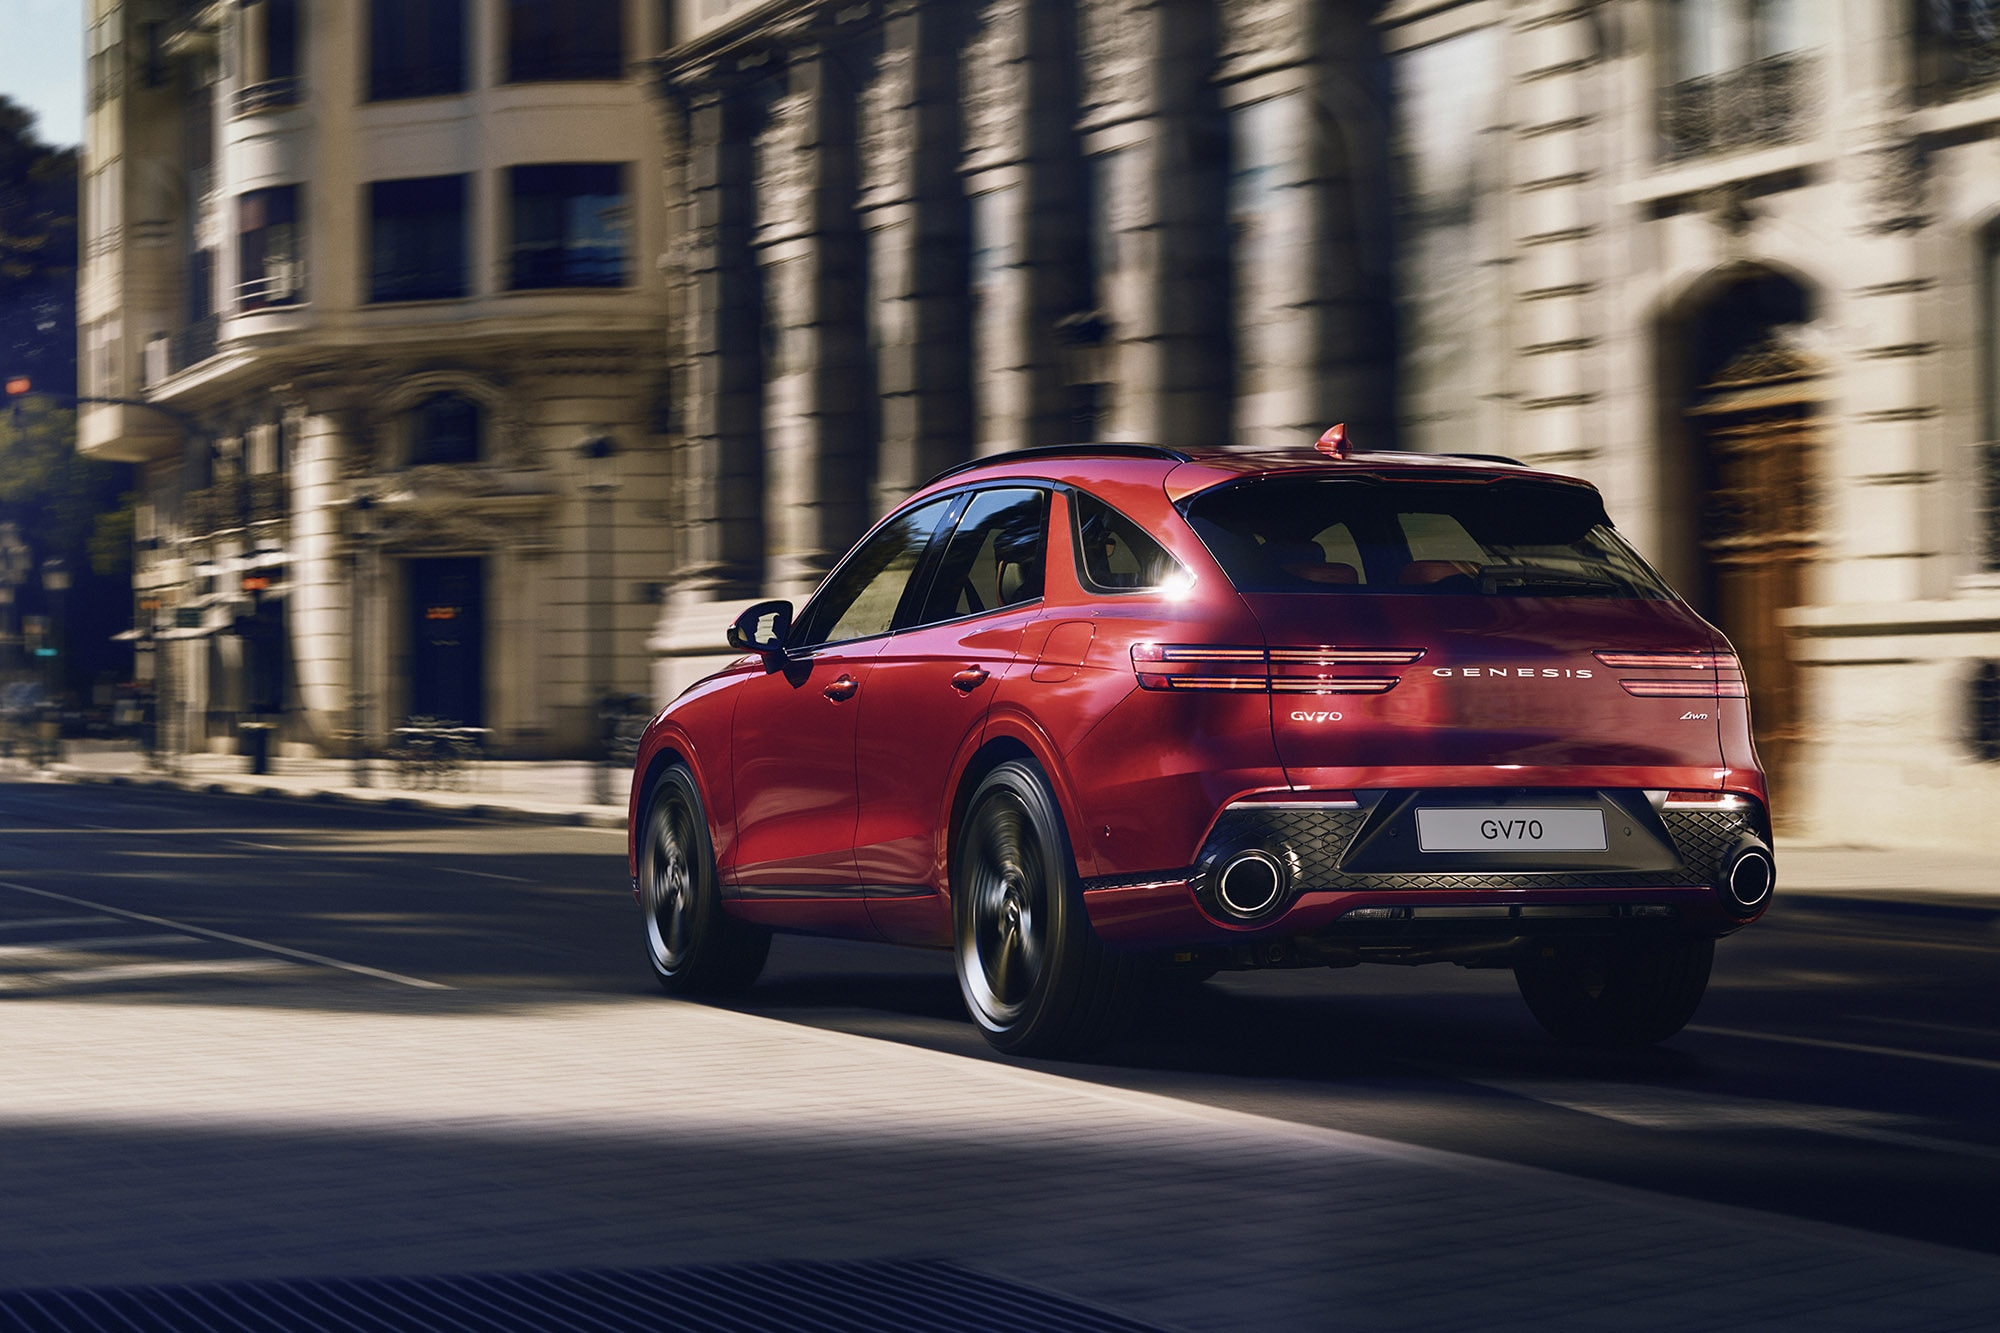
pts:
pixel 387 1130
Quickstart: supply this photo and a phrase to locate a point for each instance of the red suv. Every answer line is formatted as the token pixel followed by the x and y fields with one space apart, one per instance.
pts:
pixel 1092 715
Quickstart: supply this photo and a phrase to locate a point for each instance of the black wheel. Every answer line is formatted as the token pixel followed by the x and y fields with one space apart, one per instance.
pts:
pixel 1034 975
pixel 1617 994
pixel 695 948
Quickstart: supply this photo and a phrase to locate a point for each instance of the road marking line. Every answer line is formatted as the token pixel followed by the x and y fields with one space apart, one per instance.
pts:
pixel 485 874
pixel 225 936
pixel 144 972
pixel 55 921
pixel 1964 1061
pixel 260 846
pixel 93 942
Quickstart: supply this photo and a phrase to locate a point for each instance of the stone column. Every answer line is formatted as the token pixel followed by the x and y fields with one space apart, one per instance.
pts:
pixel 1308 199
pixel 914 212
pixel 1023 170
pixel 722 371
pixel 322 583
pixel 1555 78
pixel 1158 171
pixel 817 400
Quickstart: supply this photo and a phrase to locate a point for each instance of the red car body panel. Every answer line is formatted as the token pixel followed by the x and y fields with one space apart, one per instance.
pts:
pixel 836 815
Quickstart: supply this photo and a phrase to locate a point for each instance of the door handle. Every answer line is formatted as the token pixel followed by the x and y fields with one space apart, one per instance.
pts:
pixel 970 679
pixel 843 687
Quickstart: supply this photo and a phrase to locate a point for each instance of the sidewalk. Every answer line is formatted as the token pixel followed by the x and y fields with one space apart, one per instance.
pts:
pixel 556 792
pixel 559 792
pixel 467 1132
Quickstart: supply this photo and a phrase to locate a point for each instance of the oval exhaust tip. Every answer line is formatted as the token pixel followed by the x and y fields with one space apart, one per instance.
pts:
pixel 1750 879
pixel 1250 883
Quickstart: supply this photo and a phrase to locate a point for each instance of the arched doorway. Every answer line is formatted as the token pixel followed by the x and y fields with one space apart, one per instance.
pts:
pixel 1749 398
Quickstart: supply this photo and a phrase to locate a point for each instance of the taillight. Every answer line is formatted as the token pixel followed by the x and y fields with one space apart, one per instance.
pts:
pixel 1178 666
pixel 1704 800
pixel 1726 683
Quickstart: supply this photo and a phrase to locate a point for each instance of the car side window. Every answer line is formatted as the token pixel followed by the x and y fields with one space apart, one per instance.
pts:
pixel 1115 553
pixel 996 556
pixel 861 598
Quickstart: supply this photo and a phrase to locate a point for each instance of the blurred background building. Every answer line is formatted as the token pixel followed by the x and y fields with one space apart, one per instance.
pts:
pixel 379 269
pixel 1738 261
pixel 416 288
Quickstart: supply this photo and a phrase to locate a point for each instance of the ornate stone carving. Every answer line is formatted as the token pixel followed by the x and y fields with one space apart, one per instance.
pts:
pixel 1112 37
pixel 1897 193
pixel 991 81
pixel 1728 207
pixel 1256 33
pixel 887 125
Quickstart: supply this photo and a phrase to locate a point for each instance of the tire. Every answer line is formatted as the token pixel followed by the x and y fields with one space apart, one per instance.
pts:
pixel 692 945
pixel 1617 994
pixel 1034 975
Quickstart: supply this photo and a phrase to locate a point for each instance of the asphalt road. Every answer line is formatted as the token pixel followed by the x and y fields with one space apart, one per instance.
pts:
pixel 1843 1068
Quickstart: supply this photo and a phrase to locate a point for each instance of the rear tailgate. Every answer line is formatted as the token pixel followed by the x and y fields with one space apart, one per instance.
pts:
pixel 1389 681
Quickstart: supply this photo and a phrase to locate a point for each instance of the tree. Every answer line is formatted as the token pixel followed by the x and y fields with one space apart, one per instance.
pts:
pixel 63 503
pixel 37 255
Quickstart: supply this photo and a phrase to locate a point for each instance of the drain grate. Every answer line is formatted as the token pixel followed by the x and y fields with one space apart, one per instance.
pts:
pixel 867 1297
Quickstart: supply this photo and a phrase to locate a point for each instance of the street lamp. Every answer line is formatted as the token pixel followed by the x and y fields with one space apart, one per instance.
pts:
pixel 361 527
pixel 598 480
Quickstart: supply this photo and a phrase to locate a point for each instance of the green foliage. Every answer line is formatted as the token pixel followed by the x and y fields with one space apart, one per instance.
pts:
pixel 38 226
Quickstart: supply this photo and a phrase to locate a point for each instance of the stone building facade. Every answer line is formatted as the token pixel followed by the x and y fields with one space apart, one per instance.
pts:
pixel 907 232
pixel 1738 261
pixel 365 274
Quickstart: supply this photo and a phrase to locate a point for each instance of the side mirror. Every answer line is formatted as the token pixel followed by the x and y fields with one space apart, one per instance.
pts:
pixel 749 635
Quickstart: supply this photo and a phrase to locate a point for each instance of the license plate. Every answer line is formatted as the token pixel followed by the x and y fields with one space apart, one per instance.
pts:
pixel 1475 830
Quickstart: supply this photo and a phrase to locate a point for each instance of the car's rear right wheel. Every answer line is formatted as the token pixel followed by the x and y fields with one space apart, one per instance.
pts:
pixel 1034 975
pixel 1617 993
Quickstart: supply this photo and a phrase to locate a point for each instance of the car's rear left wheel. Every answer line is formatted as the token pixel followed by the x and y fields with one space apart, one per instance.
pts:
pixel 1034 975
pixel 694 947
pixel 1624 993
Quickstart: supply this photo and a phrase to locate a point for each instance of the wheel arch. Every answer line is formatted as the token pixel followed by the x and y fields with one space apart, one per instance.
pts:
pixel 1000 744
pixel 664 748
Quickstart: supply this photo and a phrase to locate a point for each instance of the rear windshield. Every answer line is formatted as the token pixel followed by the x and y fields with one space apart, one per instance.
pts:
pixel 1494 539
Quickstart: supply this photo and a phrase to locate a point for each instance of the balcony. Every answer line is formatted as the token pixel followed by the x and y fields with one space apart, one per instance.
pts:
pixel 270 95
pixel 1958 51
pixel 192 345
pixel 237 502
pixel 1756 106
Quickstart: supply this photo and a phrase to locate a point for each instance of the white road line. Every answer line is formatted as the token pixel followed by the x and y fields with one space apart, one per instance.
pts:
pixel 144 972
pixel 86 942
pixel 484 874
pixel 38 922
pixel 225 936
pixel 1860 1048
pixel 260 846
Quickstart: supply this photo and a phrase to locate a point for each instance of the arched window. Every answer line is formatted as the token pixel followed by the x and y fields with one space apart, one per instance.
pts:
pixel 446 428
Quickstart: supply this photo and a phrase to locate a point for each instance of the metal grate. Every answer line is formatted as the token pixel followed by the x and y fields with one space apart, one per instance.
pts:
pixel 882 1296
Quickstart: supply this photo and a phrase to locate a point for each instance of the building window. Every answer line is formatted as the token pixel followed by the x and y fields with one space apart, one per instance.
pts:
pixel 570 222
pixel 416 239
pixel 1739 76
pixel 1958 47
pixel 269 35
pixel 565 39
pixel 445 428
pixel 416 48
pixel 271 249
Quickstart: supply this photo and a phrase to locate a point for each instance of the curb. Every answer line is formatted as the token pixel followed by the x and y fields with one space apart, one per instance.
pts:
pixel 608 817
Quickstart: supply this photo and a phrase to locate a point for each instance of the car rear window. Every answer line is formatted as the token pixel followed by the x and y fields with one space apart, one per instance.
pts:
pixel 1505 538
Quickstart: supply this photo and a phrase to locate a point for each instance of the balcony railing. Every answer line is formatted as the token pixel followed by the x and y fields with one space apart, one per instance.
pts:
pixel 281 284
pixel 270 95
pixel 1756 106
pixel 1958 49
pixel 193 344
pixel 238 501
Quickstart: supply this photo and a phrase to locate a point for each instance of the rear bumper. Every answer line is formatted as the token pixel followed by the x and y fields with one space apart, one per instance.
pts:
pixel 1354 877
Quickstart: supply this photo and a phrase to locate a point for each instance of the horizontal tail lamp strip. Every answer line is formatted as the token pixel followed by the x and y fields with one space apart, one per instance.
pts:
pixel 1171 666
pixel 1667 661
pixel 1686 689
